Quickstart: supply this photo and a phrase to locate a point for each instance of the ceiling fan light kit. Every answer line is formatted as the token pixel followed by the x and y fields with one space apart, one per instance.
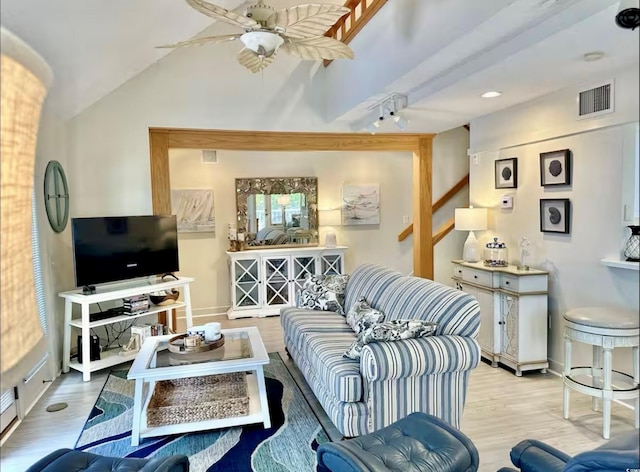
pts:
pixel 298 31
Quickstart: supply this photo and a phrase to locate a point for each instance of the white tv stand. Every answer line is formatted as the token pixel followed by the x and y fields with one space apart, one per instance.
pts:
pixel 107 292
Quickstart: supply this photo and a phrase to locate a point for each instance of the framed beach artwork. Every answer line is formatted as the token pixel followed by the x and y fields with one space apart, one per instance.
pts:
pixel 194 210
pixel 360 204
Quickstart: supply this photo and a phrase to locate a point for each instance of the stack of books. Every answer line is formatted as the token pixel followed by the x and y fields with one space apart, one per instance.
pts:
pixel 136 305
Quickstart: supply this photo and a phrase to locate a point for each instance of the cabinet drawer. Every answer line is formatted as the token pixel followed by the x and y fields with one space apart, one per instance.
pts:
pixel 457 271
pixel 509 282
pixel 479 277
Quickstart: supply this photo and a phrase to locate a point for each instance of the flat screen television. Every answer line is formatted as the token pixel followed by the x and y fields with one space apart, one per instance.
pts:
pixel 113 248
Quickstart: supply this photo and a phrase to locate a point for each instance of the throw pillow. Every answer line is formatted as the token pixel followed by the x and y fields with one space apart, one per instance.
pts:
pixel 362 316
pixel 388 331
pixel 323 292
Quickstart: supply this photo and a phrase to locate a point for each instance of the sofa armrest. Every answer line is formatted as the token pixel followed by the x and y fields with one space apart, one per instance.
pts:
pixel 535 456
pixel 421 356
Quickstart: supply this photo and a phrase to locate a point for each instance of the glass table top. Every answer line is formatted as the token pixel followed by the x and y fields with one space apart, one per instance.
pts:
pixel 236 346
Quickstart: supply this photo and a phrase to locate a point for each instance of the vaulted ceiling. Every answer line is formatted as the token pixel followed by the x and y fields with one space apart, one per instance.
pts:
pixel 441 53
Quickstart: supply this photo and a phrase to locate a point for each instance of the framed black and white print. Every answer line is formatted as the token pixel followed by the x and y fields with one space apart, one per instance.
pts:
pixel 555 168
pixel 507 173
pixel 555 215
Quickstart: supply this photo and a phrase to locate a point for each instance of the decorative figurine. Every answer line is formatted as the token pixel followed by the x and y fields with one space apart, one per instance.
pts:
pixel 524 252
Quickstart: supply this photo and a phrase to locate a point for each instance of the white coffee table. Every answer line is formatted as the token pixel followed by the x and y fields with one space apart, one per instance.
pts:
pixel 243 351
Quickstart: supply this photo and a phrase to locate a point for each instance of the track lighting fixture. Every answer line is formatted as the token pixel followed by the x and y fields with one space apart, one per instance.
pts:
pixel 391 107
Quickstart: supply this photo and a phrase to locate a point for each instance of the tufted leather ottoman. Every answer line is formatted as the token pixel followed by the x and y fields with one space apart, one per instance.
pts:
pixel 418 443
pixel 68 460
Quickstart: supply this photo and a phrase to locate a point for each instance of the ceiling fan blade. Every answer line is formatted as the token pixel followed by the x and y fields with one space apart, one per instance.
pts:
pixel 320 47
pixel 204 40
pixel 253 62
pixel 306 21
pixel 219 13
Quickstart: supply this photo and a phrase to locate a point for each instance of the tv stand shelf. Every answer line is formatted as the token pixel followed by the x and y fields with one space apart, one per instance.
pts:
pixel 109 292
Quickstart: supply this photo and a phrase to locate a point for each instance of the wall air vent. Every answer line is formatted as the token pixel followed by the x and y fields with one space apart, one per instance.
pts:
pixel 595 101
pixel 209 156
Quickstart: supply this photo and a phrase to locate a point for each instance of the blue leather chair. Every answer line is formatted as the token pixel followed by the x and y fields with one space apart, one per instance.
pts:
pixel 418 443
pixel 68 460
pixel 619 454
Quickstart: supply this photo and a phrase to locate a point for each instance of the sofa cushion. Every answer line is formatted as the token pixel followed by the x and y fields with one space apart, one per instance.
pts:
pixel 411 297
pixel 388 331
pixel 361 315
pixel 339 375
pixel 296 322
pixel 323 292
pixel 369 281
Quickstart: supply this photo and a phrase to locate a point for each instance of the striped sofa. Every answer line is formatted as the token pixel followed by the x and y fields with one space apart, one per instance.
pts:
pixel 392 379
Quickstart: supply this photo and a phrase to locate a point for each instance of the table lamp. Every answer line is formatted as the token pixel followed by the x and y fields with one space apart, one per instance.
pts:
pixel 471 219
pixel 330 218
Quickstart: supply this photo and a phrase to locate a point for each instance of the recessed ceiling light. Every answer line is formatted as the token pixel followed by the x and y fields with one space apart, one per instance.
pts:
pixel 491 94
pixel 593 56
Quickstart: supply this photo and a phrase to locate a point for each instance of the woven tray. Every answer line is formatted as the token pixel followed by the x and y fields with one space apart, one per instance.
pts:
pixel 195 399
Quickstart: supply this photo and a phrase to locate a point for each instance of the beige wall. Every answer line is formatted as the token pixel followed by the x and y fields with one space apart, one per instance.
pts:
pixel 203 257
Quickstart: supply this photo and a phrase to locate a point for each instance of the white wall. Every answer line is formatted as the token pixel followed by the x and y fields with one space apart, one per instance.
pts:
pixel 600 148
pixel 203 257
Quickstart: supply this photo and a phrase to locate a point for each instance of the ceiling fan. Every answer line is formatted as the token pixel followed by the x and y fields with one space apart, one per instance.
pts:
pixel 298 30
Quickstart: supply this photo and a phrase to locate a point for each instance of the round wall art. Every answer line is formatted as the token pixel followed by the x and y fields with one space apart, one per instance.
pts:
pixel 56 196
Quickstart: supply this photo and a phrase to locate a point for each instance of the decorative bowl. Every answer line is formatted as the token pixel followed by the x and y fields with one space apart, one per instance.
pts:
pixel 164 297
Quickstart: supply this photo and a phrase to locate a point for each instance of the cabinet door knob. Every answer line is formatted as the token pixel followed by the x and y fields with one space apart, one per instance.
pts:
pixel 500 322
pixel 507 282
pixel 475 276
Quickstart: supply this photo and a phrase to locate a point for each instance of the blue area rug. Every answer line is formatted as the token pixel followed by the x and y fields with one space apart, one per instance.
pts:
pixel 289 445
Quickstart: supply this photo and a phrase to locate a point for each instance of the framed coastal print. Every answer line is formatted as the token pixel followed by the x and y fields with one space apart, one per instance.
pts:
pixel 360 204
pixel 555 215
pixel 194 210
pixel 506 173
pixel 555 168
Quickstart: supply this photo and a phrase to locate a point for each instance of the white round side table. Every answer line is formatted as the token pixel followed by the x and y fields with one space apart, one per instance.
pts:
pixel 605 328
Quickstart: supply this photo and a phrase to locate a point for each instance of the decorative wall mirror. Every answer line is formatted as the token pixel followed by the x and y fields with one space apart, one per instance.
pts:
pixel 56 196
pixel 277 211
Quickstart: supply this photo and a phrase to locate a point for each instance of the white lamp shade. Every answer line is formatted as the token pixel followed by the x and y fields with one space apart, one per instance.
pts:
pixel 470 219
pixel 330 217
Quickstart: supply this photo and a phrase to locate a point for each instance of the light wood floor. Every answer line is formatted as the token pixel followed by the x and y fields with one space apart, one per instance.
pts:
pixel 501 410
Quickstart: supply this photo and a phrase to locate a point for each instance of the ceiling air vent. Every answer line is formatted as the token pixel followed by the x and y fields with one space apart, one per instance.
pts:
pixel 209 156
pixel 595 101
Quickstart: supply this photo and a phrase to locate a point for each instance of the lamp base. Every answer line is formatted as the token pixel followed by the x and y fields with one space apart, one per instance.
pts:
pixel 330 239
pixel 471 251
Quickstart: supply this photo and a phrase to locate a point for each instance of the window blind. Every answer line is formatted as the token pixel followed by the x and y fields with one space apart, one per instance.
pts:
pixel 37 267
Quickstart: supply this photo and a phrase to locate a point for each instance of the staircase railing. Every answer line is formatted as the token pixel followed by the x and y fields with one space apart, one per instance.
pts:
pixel 349 25
pixel 447 227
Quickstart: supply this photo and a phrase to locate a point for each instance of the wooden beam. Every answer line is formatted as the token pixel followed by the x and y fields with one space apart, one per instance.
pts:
pixel 462 183
pixel 159 162
pixel 162 139
pixel 422 213
pixel 445 229
pixel 289 141
pixel 405 233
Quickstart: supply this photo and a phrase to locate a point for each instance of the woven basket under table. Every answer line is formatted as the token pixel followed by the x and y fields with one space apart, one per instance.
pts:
pixel 198 399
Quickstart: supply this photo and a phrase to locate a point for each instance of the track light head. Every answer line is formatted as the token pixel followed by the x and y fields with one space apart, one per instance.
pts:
pixel 401 122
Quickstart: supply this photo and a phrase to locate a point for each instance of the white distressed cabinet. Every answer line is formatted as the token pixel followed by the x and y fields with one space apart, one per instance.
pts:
pixel 265 280
pixel 513 313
